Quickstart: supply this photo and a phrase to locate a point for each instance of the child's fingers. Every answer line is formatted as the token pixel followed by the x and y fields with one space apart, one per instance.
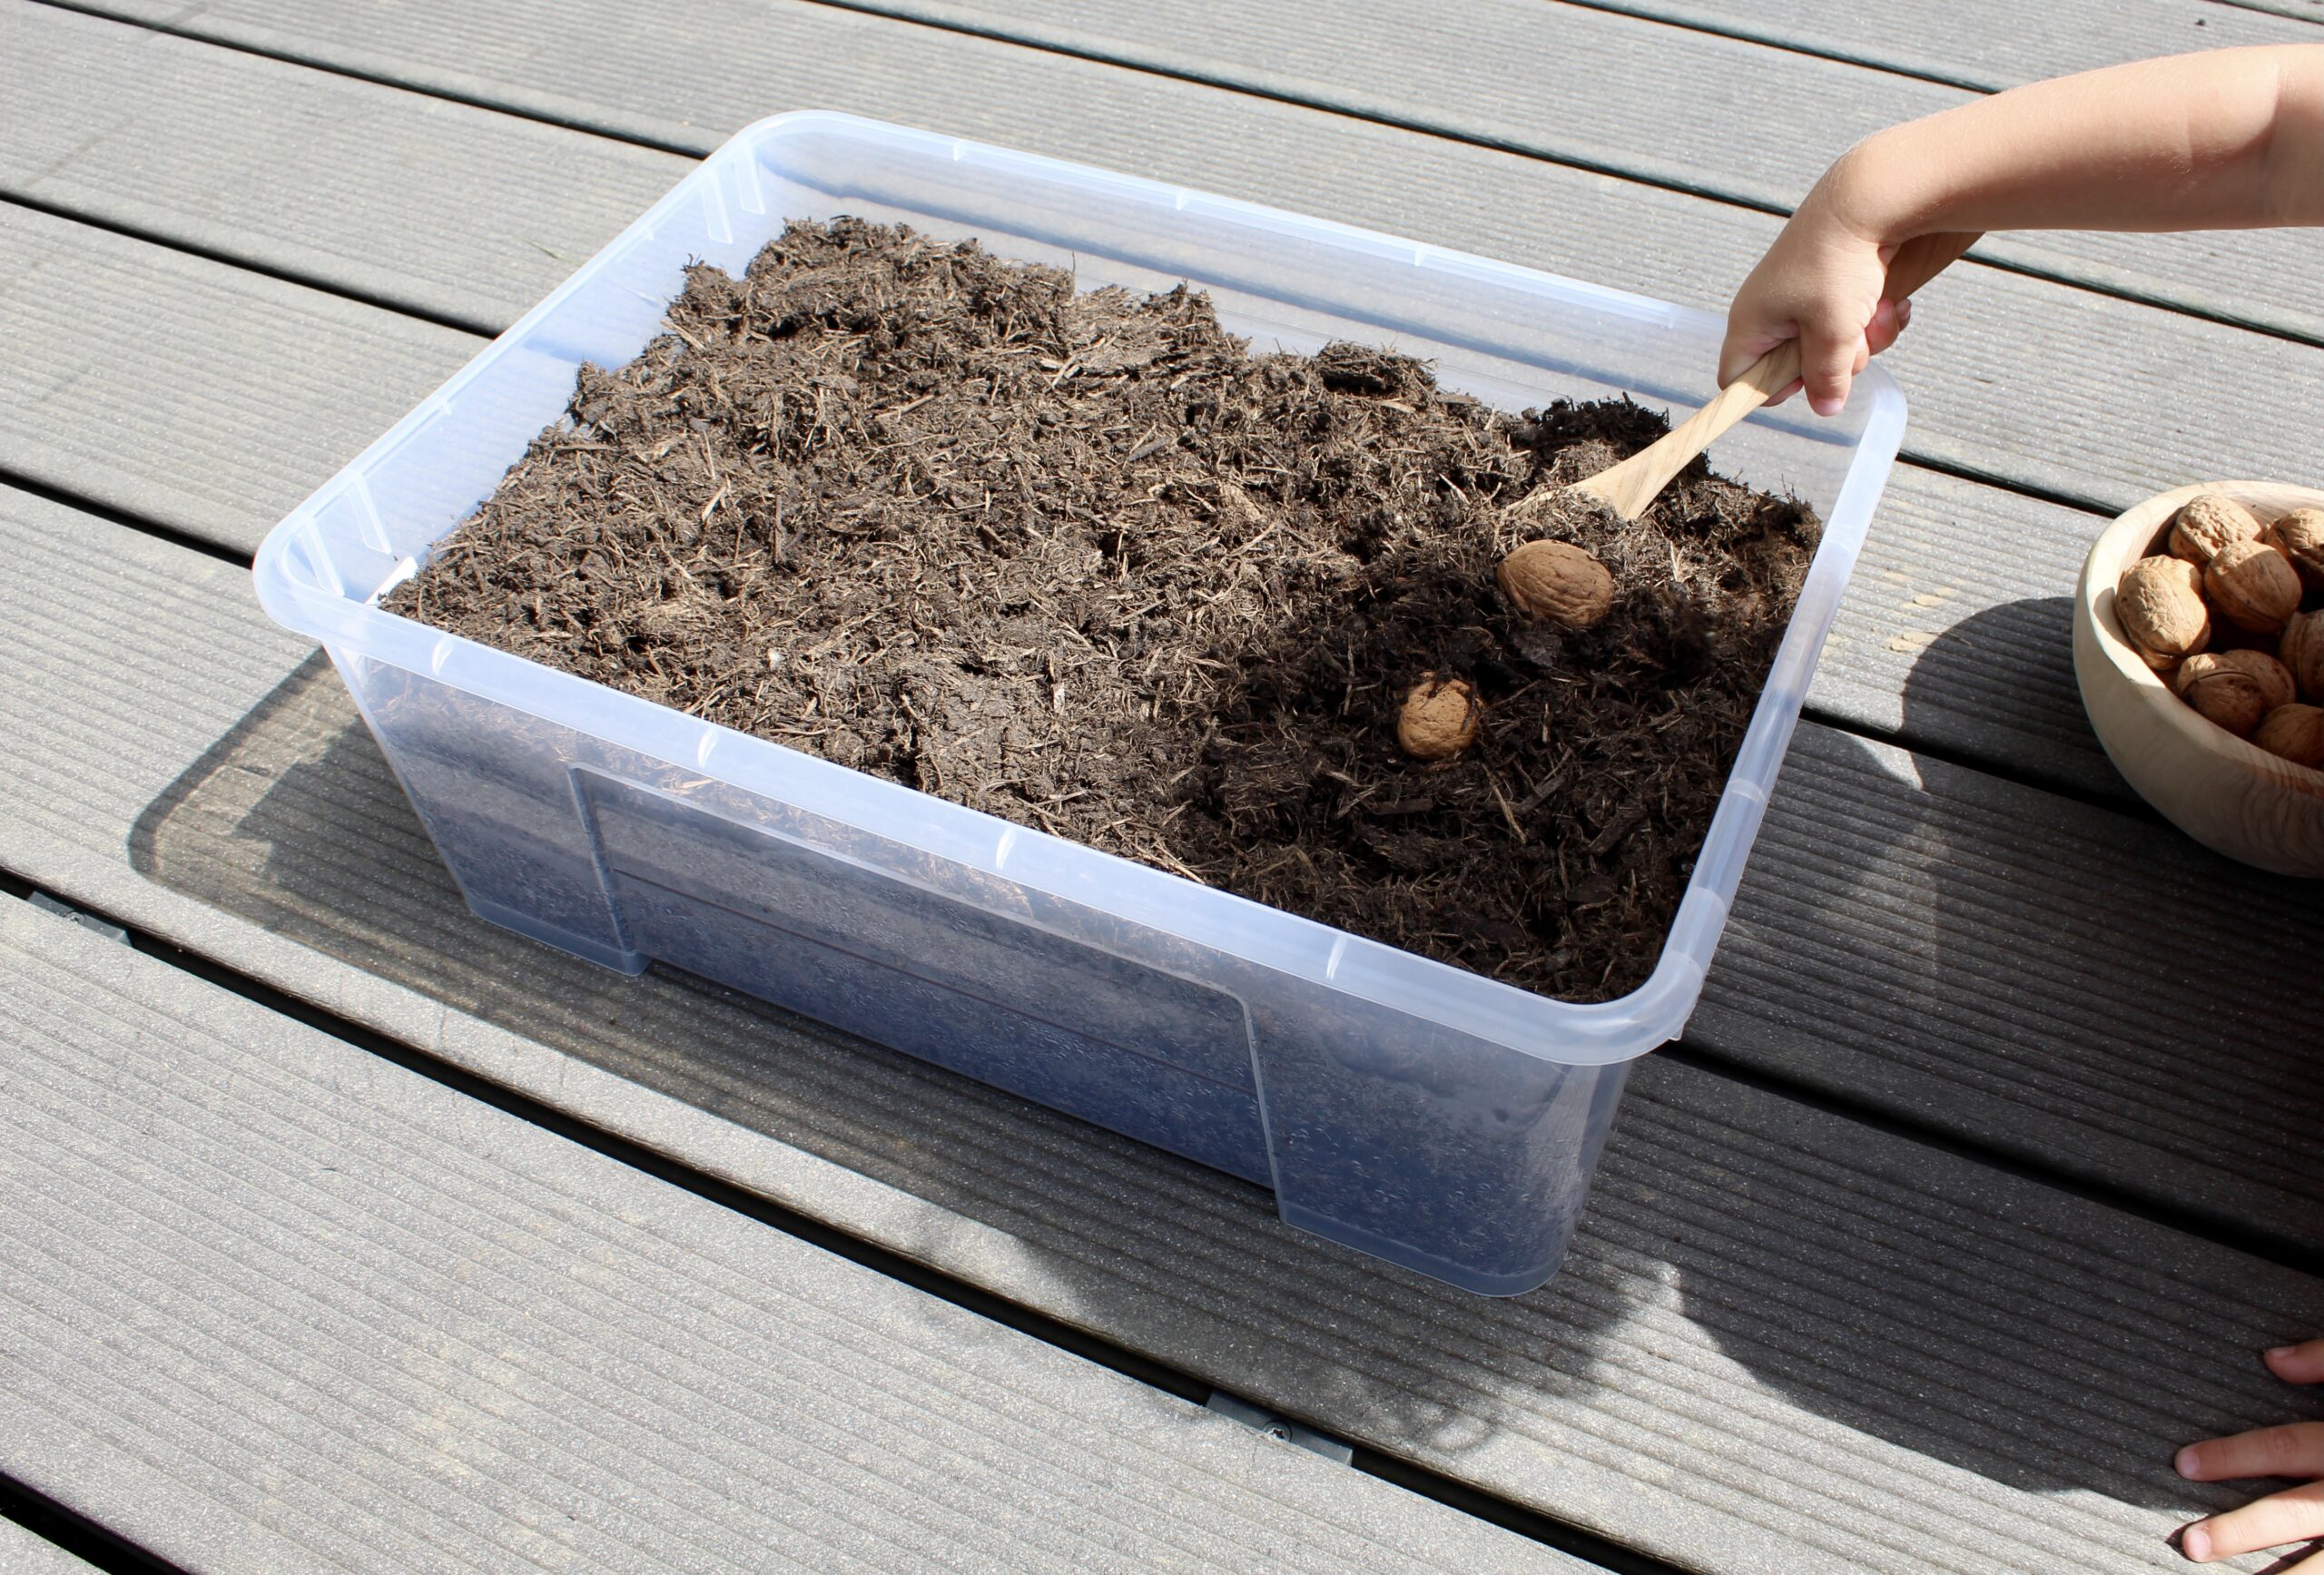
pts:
pixel 1743 346
pixel 2294 1515
pixel 1785 392
pixel 2293 1450
pixel 1827 365
pixel 2300 1364
pixel 1888 321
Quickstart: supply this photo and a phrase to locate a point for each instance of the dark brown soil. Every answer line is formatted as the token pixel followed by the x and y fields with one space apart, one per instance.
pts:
pixel 1087 562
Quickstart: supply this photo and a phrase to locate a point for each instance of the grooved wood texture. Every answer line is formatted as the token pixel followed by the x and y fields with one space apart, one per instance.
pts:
pixel 2084 988
pixel 1594 88
pixel 1988 45
pixel 204 396
pixel 1622 94
pixel 275 1304
pixel 2010 377
pixel 362 188
pixel 1956 633
pixel 1784 1340
pixel 24 1553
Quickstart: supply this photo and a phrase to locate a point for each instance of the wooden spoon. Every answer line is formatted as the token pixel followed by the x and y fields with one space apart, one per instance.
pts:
pixel 1627 487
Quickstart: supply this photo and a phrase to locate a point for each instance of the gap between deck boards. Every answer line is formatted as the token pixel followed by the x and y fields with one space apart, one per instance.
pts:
pixel 73 1536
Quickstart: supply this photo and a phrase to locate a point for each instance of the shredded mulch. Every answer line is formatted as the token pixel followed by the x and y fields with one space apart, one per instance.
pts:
pixel 1085 561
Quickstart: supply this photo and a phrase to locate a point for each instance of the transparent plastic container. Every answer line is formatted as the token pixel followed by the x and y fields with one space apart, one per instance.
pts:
pixel 1414 1110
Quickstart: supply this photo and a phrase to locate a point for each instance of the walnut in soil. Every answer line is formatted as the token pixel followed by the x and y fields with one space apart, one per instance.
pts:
pixel 1558 581
pixel 2233 688
pixel 1439 718
pixel 2252 584
pixel 2295 733
pixel 2160 604
pixel 2208 522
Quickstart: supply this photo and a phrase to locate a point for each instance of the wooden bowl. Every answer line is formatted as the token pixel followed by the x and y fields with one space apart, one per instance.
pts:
pixel 2228 794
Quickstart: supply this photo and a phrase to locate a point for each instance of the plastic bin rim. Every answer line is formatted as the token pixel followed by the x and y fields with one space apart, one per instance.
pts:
pixel 1596 1033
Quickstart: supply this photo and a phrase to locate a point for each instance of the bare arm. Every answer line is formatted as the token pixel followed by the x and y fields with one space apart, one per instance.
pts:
pixel 2232 139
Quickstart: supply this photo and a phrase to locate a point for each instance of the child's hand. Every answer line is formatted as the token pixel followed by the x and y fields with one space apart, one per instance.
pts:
pixel 1824 280
pixel 2294 1515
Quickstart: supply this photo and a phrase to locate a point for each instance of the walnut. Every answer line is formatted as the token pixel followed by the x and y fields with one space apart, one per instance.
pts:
pixel 2253 585
pixel 1558 581
pixel 2208 522
pixel 2160 604
pixel 2302 651
pixel 2299 536
pixel 2233 688
pixel 2294 732
pixel 1439 719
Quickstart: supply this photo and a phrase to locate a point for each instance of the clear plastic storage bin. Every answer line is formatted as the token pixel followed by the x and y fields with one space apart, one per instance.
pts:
pixel 1413 1110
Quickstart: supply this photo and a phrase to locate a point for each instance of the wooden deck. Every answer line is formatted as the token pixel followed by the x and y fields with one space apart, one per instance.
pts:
pixel 343 1231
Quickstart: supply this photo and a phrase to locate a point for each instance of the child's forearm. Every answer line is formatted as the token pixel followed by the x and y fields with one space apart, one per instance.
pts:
pixel 2225 140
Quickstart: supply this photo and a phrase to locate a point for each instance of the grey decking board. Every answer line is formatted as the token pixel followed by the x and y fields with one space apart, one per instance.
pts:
pixel 2058 980
pixel 1987 44
pixel 1655 104
pixel 486 1346
pixel 1717 1376
pixel 291 168
pixel 23 1552
pixel 2010 377
pixel 200 396
pixel 1955 634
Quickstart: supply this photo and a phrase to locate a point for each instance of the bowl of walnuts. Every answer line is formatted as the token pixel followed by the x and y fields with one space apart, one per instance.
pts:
pixel 2199 645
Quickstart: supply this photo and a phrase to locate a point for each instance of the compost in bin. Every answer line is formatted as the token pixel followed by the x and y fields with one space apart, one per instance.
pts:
pixel 1085 561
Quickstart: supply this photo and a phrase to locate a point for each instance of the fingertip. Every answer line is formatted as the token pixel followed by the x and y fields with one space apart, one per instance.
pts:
pixel 2300 1364
pixel 2188 1463
pixel 1888 323
pixel 1827 404
pixel 2195 1543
